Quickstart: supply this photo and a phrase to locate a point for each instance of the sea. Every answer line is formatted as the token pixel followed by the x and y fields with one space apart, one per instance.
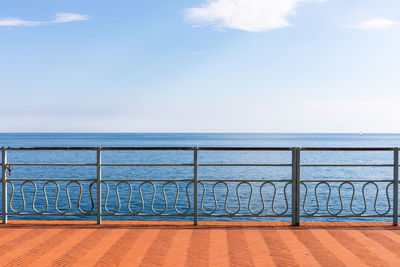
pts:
pixel 225 192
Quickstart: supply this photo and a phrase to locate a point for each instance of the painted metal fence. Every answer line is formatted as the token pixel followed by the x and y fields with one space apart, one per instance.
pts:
pixel 195 197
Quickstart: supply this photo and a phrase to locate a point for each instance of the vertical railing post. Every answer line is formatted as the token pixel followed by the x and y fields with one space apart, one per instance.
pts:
pixel 395 186
pixel 4 183
pixel 295 204
pixel 195 185
pixel 298 185
pixel 98 185
pixel 293 186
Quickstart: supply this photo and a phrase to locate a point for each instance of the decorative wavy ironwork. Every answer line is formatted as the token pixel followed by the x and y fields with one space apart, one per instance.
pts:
pixel 316 204
pixel 46 200
pixel 141 199
pixel 166 200
pixel 249 210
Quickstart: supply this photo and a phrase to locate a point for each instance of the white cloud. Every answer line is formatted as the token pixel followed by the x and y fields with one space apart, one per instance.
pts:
pixel 59 18
pixel 376 23
pixel 247 15
pixel 15 22
pixel 68 17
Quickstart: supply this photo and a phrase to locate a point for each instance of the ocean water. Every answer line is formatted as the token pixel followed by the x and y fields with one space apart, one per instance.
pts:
pixel 231 196
pixel 199 139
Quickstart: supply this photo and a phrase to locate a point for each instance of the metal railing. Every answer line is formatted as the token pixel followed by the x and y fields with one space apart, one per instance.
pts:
pixel 290 197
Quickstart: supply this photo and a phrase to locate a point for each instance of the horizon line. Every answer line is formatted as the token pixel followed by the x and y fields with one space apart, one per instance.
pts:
pixel 363 133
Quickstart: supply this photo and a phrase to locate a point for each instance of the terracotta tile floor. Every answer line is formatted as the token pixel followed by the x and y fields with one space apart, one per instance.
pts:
pixel 209 244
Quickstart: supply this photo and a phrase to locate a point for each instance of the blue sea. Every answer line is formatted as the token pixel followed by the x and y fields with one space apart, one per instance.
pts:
pixel 219 199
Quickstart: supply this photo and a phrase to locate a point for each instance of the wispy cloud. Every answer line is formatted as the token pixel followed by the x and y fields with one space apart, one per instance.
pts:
pixel 376 23
pixel 247 15
pixel 58 18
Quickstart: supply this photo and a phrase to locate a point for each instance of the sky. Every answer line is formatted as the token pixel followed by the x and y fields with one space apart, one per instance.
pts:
pixel 200 66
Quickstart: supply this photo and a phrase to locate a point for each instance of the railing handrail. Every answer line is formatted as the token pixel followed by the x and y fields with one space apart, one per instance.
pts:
pixel 208 148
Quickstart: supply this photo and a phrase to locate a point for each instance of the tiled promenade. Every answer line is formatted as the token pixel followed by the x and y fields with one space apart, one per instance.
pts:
pixel 209 244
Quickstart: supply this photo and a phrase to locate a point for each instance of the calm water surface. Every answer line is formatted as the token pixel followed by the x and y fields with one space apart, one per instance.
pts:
pixel 228 173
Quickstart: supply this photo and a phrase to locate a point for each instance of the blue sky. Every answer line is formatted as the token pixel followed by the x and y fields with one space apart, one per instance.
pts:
pixel 200 66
